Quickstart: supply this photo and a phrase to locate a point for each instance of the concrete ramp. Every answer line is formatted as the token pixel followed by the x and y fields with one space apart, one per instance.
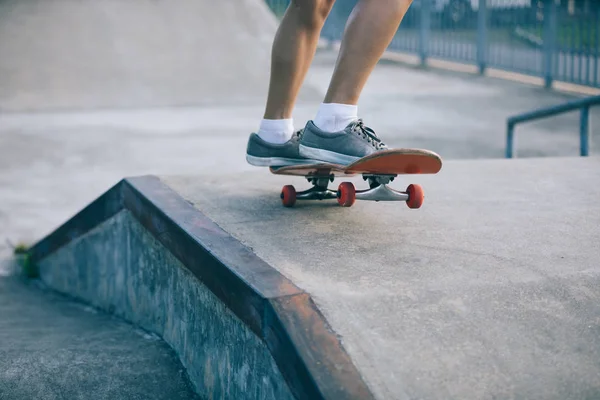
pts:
pixel 66 54
pixel 488 291
pixel 240 328
pixel 491 290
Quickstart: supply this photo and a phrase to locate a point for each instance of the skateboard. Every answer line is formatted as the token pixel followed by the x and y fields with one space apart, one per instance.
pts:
pixel 379 169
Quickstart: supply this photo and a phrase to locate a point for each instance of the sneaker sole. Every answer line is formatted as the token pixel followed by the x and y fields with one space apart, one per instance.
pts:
pixel 326 155
pixel 276 161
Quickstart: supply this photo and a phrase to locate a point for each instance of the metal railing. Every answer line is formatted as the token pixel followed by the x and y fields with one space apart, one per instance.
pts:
pixel 584 122
pixel 552 39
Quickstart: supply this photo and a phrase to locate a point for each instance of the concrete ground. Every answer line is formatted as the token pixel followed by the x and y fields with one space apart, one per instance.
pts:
pixel 55 348
pixel 490 290
pixel 65 136
pixel 52 164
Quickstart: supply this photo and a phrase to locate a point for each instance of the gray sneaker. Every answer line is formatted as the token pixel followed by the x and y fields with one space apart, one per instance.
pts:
pixel 264 154
pixel 343 147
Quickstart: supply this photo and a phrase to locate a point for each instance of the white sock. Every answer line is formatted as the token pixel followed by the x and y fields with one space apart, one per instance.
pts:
pixel 333 117
pixel 276 130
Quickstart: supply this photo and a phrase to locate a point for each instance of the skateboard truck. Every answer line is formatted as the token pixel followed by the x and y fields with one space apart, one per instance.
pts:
pixel 347 194
pixel 319 191
pixel 379 189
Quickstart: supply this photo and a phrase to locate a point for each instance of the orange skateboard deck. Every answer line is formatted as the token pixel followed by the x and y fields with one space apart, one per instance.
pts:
pixel 379 169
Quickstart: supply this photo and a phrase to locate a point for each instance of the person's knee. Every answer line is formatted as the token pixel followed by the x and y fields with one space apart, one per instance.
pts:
pixel 313 13
pixel 405 3
pixel 400 6
pixel 394 6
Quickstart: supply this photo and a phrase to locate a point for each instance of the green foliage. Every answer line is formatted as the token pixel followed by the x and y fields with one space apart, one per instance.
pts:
pixel 20 248
pixel 28 267
pixel 23 258
pixel 582 35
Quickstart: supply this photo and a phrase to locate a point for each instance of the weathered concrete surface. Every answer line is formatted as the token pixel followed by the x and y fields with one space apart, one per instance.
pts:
pixel 66 54
pixel 121 268
pixel 53 164
pixel 55 348
pixel 489 291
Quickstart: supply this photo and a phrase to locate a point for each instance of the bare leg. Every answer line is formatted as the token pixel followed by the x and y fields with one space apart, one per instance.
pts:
pixel 293 50
pixel 369 31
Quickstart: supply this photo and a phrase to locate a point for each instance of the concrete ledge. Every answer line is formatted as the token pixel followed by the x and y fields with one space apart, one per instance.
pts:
pixel 240 327
pixel 490 290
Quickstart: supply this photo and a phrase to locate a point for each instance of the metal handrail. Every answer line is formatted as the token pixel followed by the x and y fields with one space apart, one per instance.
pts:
pixel 584 121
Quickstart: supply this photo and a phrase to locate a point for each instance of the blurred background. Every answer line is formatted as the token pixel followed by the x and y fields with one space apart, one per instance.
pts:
pixel 552 39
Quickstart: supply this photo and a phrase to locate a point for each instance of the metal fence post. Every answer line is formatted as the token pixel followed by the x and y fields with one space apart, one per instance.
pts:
pixel 510 134
pixel 597 48
pixel 425 28
pixel 482 36
pixel 550 31
pixel 584 131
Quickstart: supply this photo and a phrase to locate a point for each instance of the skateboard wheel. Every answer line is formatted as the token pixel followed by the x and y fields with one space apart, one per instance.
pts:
pixel 415 196
pixel 288 196
pixel 346 194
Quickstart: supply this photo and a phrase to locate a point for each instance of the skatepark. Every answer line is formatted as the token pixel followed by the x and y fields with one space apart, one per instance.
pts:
pixel 167 267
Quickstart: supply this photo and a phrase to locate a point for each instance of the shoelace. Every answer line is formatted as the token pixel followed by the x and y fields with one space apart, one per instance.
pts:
pixel 298 134
pixel 361 129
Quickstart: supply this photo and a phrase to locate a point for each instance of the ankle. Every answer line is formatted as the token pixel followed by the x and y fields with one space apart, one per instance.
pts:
pixel 276 130
pixel 334 117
